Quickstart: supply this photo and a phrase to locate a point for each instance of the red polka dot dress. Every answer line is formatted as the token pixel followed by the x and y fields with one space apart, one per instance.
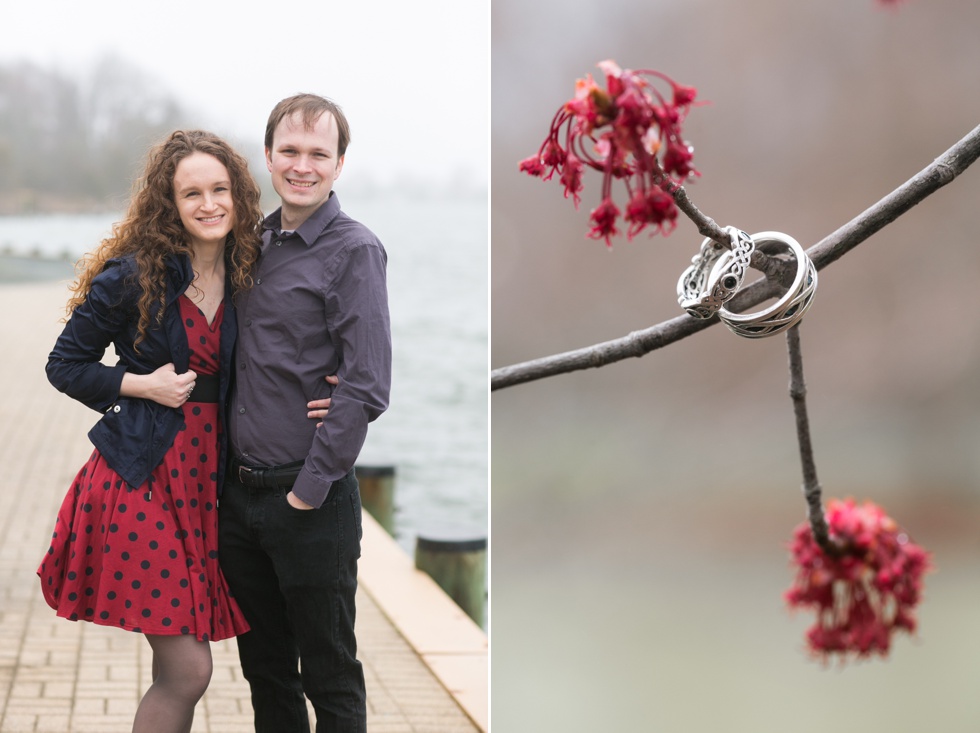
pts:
pixel 146 559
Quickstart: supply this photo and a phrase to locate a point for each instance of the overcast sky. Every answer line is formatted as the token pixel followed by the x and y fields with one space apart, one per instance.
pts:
pixel 412 77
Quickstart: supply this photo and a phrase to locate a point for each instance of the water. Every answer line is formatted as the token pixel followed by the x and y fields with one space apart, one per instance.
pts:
pixel 435 432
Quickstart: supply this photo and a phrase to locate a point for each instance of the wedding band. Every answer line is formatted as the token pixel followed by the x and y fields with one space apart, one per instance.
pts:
pixel 790 308
pixel 715 274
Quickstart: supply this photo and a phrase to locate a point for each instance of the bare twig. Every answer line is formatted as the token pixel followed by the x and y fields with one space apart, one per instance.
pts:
pixel 776 269
pixel 811 486
pixel 639 343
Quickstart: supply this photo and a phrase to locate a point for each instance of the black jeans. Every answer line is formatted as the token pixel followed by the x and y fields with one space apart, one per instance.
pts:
pixel 294 574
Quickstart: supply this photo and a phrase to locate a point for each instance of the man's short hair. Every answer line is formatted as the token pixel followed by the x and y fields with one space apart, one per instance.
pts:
pixel 311 107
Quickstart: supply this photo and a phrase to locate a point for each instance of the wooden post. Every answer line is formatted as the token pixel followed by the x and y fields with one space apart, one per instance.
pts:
pixel 459 567
pixel 377 487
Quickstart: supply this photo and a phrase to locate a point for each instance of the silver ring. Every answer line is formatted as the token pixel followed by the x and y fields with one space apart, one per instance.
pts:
pixel 790 308
pixel 715 274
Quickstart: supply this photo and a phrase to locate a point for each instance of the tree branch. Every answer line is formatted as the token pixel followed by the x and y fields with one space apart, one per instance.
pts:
pixel 942 171
pixel 773 268
pixel 811 486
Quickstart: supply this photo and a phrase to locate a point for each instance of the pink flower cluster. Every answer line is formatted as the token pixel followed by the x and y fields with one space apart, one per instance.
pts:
pixel 864 593
pixel 627 131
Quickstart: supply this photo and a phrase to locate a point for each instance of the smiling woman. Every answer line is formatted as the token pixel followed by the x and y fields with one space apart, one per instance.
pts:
pixel 157 291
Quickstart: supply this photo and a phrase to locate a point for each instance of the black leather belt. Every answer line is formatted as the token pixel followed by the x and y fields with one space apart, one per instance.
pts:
pixel 205 388
pixel 267 477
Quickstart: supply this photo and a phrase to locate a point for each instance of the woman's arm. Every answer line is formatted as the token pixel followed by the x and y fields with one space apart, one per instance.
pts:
pixel 163 385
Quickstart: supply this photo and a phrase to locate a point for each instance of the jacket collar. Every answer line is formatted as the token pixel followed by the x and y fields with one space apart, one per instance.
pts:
pixel 179 276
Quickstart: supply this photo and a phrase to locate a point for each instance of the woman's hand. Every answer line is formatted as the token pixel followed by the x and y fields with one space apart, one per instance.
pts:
pixel 164 386
pixel 319 408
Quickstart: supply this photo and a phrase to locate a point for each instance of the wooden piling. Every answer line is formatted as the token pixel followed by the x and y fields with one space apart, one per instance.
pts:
pixel 459 567
pixel 377 487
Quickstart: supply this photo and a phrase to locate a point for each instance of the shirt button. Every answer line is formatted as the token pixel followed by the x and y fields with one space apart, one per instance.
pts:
pixel 117 408
pixel 241 410
pixel 248 322
pixel 258 281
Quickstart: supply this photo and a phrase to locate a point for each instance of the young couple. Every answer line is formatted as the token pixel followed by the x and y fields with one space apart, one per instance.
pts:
pixel 226 326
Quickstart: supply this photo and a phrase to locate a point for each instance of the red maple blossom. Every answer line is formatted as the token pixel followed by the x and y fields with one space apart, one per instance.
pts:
pixel 628 131
pixel 866 591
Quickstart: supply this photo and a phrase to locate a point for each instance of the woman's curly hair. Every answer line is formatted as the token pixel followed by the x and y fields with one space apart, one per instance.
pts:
pixel 152 231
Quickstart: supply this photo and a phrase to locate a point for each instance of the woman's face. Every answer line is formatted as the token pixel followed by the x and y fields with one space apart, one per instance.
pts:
pixel 202 193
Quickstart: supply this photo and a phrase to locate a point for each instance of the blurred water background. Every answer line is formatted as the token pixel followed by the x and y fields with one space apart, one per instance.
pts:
pixel 641 511
pixel 435 431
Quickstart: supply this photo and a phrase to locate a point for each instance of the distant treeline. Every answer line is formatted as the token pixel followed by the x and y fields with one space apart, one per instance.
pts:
pixel 72 143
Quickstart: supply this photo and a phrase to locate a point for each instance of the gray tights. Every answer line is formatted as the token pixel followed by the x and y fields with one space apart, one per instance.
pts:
pixel 181 673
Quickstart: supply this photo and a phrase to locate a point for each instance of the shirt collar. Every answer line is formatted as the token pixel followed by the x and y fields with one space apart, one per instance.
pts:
pixel 311 229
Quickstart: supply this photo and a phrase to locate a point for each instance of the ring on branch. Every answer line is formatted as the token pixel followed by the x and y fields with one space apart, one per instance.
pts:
pixel 715 274
pixel 790 307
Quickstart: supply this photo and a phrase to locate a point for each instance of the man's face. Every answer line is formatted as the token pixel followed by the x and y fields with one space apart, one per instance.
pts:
pixel 304 165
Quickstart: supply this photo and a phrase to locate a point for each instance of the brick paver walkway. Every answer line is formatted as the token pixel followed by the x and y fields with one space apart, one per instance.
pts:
pixel 56 675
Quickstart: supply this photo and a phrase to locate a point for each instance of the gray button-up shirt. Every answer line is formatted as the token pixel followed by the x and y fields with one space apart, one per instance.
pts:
pixel 319 306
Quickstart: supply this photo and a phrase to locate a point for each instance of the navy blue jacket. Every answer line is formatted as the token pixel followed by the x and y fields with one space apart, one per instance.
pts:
pixel 133 434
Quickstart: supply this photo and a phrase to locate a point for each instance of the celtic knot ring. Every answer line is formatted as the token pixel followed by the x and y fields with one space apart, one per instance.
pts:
pixel 788 309
pixel 715 274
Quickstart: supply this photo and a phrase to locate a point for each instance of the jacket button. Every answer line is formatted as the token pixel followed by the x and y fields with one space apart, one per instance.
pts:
pixel 117 408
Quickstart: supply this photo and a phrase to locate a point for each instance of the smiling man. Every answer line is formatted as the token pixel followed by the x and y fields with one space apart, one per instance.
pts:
pixel 290 524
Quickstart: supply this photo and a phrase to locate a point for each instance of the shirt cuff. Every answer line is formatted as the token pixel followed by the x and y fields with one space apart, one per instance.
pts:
pixel 312 490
